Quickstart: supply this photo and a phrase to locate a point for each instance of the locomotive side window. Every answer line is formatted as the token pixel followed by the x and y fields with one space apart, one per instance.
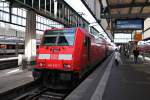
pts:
pixel 59 37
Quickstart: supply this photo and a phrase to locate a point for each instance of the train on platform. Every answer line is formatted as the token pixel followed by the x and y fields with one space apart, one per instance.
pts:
pixel 11 48
pixel 144 46
pixel 68 54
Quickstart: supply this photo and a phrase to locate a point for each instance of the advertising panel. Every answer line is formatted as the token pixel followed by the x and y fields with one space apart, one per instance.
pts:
pixel 138 36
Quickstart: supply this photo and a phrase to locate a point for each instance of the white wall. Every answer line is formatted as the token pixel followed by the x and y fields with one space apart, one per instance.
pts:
pixel 94 5
pixel 146 26
pixel 105 25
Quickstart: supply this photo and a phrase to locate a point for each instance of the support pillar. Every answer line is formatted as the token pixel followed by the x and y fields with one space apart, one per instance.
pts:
pixel 30 37
pixel 55 8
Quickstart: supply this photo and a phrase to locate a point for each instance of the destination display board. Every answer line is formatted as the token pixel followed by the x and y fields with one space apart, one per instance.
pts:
pixel 133 24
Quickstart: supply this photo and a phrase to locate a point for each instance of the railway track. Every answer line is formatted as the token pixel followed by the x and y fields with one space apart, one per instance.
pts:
pixel 34 91
pixel 43 93
pixel 8 64
pixel 13 93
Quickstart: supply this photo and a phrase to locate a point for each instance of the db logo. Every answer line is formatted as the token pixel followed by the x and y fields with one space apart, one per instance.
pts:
pixel 54 56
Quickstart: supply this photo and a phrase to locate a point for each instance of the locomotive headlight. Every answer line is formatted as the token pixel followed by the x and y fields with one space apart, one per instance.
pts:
pixel 44 56
pixel 65 57
pixel 41 64
pixel 67 66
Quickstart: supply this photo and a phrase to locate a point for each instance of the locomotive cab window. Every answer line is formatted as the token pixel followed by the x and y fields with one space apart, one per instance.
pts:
pixel 49 40
pixel 66 39
pixel 59 37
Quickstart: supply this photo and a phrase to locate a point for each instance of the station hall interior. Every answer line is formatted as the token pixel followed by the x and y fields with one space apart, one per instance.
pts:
pixel 74 49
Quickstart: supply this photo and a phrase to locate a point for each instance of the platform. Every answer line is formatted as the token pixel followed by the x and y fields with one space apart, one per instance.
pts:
pixel 14 77
pixel 127 81
pixel 7 56
pixel 8 61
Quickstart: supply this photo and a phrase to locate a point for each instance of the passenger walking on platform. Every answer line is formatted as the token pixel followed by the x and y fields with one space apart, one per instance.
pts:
pixel 117 57
pixel 136 54
pixel 125 52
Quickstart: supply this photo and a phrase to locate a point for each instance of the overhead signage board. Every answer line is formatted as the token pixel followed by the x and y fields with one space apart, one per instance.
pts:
pixel 133 24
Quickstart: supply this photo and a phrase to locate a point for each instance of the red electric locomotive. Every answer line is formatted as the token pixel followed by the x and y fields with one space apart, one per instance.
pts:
pixel 67 54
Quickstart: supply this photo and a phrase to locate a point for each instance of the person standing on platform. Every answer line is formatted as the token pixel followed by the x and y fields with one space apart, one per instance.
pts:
pixel 136 54
pixel 117 57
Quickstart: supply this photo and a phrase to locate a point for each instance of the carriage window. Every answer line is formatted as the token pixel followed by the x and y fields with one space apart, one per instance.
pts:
pixel 20 46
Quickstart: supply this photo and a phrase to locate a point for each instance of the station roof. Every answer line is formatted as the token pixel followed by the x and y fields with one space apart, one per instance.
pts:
pixel 128 8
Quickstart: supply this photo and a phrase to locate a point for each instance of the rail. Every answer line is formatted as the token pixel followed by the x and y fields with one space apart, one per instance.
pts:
pixel 5 64
pixel 8 59
pixel 13 93
pixel 43 93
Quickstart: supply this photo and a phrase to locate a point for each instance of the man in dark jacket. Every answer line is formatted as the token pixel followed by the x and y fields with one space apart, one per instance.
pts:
pixel 136 54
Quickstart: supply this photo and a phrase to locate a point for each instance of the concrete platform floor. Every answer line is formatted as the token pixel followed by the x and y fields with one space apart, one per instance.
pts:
pixel 128 81
pixel 14 77
pixel 92 88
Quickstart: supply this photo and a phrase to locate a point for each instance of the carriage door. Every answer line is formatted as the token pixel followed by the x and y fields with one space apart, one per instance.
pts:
pixel 88 45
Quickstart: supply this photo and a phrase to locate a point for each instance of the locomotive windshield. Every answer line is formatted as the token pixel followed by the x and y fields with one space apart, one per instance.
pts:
pixel 59 37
